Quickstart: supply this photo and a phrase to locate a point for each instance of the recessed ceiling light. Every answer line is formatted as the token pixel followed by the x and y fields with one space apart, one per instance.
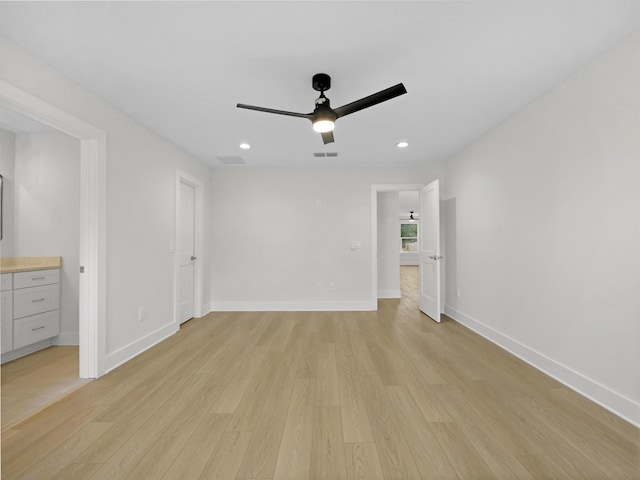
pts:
pixel 402 144
pixel 245 146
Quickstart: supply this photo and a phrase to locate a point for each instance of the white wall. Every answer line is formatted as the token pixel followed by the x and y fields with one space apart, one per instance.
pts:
pixel 47 216
pixel 7 155
pixel 275 247
pixel 543 232
pixel 141 169
pixel 388 245
pixel 409 202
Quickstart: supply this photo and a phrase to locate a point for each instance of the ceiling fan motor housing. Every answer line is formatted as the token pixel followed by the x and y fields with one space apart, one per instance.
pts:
pixel 321 82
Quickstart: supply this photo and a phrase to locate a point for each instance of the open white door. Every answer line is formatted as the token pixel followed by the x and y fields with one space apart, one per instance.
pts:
pixel 185 248
pixel 429 251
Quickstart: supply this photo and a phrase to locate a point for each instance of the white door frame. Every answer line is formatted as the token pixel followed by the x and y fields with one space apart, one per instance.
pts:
pixel 93 187
pixel 198 186
pixel 374 231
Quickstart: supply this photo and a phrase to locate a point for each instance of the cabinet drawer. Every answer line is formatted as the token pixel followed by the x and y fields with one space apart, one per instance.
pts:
pixel 35 279
pixel 6 281
pixel 29 301
pixel 32 329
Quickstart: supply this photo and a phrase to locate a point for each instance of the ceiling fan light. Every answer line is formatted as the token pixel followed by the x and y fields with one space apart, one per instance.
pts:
pixel 323 125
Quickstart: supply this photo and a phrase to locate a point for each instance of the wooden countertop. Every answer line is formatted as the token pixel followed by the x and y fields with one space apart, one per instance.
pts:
pixel 28 264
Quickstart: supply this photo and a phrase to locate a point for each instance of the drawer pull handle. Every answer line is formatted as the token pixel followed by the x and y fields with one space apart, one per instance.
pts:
pixel 38 300
pixel 38 278
pixel 37 328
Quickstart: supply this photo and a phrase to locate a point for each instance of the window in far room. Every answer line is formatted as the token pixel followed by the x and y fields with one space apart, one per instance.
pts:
pixel 409 236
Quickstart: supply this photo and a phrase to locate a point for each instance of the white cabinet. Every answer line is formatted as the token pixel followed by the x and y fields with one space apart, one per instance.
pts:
pixel 34 328
pixel 6 314
pixel 34 300
pixel 6 281
pixel 30 308
pixel 35 279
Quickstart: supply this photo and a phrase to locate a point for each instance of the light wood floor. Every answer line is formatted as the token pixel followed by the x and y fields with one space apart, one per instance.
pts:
pixel 348 395
pixel 35 381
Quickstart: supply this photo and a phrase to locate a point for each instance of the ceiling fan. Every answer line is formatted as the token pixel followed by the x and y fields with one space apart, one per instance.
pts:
pixel 323 116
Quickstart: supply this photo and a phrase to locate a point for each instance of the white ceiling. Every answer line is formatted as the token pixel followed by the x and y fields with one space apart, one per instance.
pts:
pixel 181 67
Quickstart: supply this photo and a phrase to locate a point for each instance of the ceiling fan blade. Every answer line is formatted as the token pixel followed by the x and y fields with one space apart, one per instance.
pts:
pixel 271 110
pixel 327 137
pixel 371 100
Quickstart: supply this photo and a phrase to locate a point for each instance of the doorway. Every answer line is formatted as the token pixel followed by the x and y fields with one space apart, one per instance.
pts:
pixel 188 237
pixel 92 283
pixel 430 278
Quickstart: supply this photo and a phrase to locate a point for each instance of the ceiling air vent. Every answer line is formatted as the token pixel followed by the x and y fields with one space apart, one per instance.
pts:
pixel 327 154
pixel 232 160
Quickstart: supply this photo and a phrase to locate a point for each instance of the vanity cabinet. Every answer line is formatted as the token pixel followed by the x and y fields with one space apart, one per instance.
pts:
pixel 6 314
pixel 32 308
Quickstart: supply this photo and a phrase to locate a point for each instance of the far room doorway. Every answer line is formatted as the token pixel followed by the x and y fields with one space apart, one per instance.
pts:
pixel 400 239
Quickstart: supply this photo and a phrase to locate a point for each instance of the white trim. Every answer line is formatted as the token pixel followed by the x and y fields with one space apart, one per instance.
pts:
pixel 198 186
pixel 135 348
pixel 93 187
pixel 292 306
pixel 389 294
pixel 618 404
pixel 375 188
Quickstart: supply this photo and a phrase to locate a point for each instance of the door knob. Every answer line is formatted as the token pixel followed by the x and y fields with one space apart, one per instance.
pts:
pixel 193 258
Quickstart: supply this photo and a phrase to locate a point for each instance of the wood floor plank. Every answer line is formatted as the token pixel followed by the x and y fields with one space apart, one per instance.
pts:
pixel 327 376
pixel 226 457
pixel 166 417
pixel 294 455
pixel 361 462
pixel 229 399
pixel 16 462
pixel 463 456
pixel 357 395
pixel 31 383
pixel 308 363
pixel 196 453
pixel 495 451
pixel 327 455
pixel 430 458
pixel 56 461
pixel 262 453
pixel 251 405
pixel 394 454
pixel 78 471
pixel 356 427
pixel 162 454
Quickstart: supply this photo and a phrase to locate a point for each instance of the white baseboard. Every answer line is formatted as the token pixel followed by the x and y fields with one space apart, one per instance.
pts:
pixel 206 308
pixel 292 306
pixel 618 404
pixel 66 338
pixel 389 294
pixel 126 353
